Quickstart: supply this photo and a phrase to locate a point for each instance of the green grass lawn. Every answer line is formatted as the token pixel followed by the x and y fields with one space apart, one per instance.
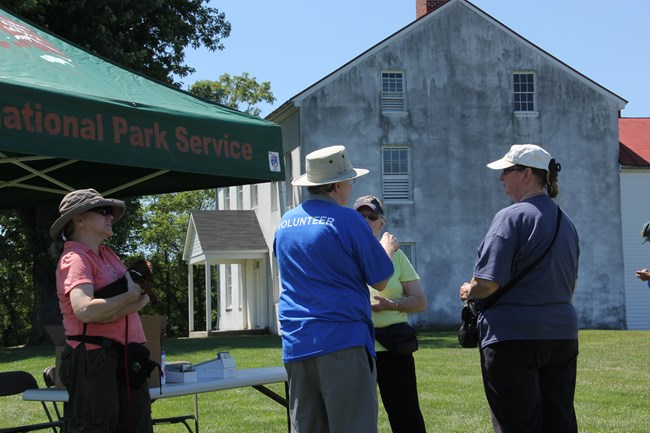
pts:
pixel 612 395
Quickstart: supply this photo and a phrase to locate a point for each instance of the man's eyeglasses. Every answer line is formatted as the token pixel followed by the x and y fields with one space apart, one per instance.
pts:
pixel 104 211
pixel 513 168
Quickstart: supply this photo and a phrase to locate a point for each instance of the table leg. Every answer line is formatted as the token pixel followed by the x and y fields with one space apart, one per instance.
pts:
pixel 196 413
pixel 278 399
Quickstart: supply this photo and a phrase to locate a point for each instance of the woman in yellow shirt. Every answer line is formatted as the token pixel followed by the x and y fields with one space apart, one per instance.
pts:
pixel 403 295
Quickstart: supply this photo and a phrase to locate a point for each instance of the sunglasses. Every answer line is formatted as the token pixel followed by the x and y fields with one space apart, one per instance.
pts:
pixel 370 216
pixel 513 168
pixel 104 211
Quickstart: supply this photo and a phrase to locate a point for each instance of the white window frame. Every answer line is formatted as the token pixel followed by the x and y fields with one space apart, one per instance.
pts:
pixel 226 198
pixel 254 196
pixel 274 196
pixel 524 93
pixel 392 91
pixel 240 197
pixel 396 175
pixel 228 281
pixel 408 248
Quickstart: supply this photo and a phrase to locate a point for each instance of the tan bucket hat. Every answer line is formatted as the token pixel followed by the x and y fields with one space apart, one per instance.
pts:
pixel 328 165
pixel 80 201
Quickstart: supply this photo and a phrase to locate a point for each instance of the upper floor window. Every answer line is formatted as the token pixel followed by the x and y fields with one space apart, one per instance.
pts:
pixel 254 198
pixel 274 196
pixel 240 197
pixel 524 91
pixel 396 173
pixel 392 91
pixel 226 198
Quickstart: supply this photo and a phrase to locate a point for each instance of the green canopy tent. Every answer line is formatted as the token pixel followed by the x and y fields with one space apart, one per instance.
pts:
pixel 69 120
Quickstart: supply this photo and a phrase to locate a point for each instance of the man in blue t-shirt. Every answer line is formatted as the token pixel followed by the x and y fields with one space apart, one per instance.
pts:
pixel 327 256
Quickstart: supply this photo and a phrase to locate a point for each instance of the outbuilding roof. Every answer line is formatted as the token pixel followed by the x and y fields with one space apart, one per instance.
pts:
pixel 224 235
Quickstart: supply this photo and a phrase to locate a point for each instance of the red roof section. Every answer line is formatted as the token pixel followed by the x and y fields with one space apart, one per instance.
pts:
pixel 634 141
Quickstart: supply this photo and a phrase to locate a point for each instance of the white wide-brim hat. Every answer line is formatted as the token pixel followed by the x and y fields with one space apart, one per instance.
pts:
pixel 80 201
pixel 328 165
pixel 529 155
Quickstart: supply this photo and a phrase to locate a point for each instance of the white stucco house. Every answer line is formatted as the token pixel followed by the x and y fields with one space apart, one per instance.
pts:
pixel 425 109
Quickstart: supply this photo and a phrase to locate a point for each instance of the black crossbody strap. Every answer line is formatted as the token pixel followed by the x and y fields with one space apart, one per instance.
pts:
pixel 490 300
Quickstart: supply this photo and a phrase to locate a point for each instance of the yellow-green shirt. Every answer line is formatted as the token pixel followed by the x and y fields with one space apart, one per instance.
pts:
pixel 404 271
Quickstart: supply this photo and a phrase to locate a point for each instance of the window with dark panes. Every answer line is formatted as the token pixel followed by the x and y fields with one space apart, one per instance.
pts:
pixel 524 91
pixel 392 91
pixel 408 248
pixel 396 173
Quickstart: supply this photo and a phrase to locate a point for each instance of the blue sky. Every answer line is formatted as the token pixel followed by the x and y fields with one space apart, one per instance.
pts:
pixel 294 43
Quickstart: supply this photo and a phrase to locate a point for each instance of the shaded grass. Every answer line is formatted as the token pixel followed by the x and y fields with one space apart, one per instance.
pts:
pixel 612 395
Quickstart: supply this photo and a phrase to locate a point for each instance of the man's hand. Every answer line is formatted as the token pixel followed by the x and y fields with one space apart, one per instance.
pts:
pixel 643 275
pixel 389 242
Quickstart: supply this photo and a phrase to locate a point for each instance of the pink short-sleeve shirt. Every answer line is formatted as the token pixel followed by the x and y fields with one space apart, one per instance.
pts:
pixel 80 265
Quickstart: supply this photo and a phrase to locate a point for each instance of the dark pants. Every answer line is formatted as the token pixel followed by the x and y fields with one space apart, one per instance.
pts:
pixel 99 403
pixel 530 385
pixel 399 392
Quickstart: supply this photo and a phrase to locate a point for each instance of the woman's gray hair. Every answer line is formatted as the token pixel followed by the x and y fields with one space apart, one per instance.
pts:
pixel 321 189
pixel 56 247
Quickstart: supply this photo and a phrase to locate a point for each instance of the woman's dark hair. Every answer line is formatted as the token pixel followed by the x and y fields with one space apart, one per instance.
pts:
pixel 321 189
pixel 56 247
pixel 550 177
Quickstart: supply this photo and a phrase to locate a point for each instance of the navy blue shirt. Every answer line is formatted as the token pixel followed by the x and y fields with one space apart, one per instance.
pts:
pixel 540 306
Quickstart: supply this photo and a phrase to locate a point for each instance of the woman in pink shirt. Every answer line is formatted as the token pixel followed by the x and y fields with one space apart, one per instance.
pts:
pixel 97 329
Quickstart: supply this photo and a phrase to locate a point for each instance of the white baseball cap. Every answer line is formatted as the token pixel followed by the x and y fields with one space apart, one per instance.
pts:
pixel 529 155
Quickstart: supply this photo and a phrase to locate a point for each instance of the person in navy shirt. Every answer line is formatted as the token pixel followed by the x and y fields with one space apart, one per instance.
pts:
pixel 529 337
pixel 327 257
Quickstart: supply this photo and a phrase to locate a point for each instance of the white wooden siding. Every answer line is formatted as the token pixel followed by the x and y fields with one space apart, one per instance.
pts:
pixel 635 204
pixel 196 244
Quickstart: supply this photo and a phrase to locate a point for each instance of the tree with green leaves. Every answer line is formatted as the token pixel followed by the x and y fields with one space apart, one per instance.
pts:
pixel 165 218
pixel 16 294
pixel 147 36
pixel 234 91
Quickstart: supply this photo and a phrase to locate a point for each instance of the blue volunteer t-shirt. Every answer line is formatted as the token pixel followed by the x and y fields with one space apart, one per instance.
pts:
pixel 327 256
pixel 540 306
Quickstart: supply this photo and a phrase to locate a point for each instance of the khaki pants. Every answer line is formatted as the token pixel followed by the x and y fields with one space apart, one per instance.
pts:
pixel 334 393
